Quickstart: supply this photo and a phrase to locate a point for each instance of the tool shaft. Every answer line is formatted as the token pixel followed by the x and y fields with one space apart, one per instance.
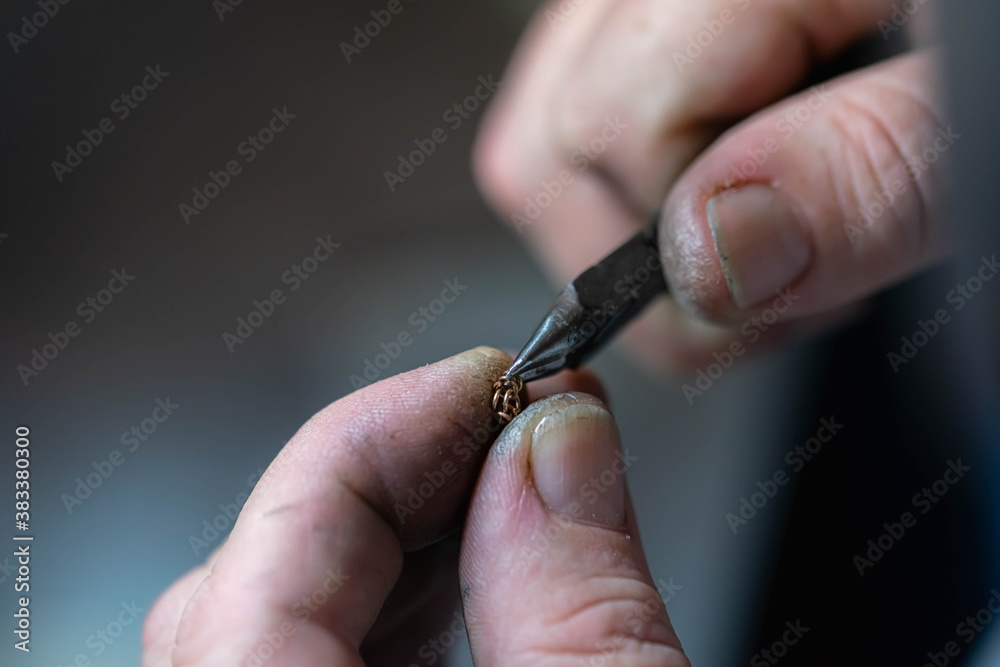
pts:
pixel 593 307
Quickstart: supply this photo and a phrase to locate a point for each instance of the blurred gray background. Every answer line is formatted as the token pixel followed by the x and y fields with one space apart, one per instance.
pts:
pixel 322 176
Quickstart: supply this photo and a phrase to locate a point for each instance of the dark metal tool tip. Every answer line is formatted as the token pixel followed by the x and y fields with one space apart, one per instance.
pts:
pixel 592 308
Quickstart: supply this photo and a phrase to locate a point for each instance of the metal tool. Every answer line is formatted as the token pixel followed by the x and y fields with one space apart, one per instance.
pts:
pixel 592 308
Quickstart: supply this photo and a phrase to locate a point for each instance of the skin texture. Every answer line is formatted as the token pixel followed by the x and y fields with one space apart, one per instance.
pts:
pixel 619 60
pixel 324 516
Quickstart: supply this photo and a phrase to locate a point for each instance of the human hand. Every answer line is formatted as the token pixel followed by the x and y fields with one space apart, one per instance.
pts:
pixel 333 558
pixel 832 193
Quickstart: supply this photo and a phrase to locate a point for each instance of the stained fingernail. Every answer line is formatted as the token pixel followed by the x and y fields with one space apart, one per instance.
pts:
pixel 578 465
pixel 760 241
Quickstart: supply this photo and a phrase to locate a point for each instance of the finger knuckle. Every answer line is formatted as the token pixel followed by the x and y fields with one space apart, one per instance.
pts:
pixel 616 621
pixel 499 163
pixel 882 193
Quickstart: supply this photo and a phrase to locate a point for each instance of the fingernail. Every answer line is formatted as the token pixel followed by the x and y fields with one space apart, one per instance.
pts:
pixel 578 465
pixel 762 246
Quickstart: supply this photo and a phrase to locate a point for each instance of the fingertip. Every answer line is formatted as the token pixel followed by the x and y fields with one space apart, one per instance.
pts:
pixel 485 361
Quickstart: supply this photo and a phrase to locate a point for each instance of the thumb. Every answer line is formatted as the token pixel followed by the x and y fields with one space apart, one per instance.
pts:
pixel 833 193
pixel 552 568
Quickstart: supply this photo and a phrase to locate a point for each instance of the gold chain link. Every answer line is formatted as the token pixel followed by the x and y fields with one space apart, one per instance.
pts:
pixel 506 398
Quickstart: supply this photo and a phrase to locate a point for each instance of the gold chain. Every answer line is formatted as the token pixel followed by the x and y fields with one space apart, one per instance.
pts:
pixel 506 398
